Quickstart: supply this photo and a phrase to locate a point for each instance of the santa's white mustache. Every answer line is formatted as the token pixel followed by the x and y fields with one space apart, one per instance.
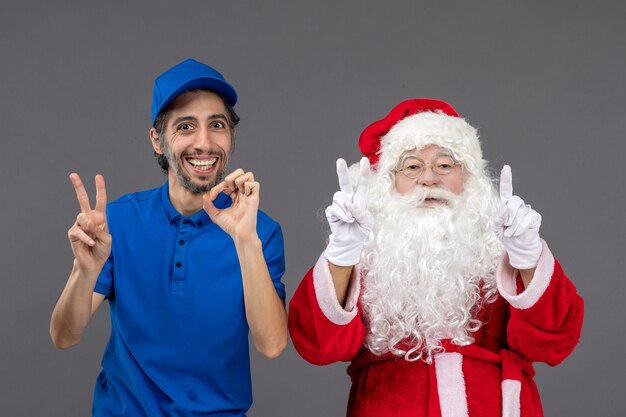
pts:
pixel 417 196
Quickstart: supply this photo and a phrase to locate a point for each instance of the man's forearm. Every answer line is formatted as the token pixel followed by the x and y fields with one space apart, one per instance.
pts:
pixel 74 308
pixel 265 311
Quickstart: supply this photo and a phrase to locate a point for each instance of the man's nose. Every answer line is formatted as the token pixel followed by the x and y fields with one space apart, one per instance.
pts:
pixel 203 140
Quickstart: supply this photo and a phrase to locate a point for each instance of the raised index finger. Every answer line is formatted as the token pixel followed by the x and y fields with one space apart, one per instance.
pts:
pixel 81 194
pixel 344 178
pixel 101 194
pixel 506 183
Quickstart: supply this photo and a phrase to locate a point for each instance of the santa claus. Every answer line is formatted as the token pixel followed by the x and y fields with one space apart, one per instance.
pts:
pixel 437 288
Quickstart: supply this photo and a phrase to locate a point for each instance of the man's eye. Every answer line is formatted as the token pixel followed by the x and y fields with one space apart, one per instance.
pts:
pixel 445 166
pixel 218 124
pixel 413 167
pixel 185 126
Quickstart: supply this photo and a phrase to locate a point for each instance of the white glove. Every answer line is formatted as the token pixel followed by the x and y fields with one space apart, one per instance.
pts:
pixel 517 226
pixel 349 220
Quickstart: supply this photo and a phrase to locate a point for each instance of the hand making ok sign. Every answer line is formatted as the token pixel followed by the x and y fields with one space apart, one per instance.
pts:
pixel 89 235
pixel 238 220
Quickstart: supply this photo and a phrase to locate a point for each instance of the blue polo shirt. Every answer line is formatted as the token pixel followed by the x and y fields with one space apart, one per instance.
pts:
pixel 179 335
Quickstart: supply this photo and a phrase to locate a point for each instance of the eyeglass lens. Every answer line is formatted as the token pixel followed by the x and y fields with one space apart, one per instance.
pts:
pixel 414 168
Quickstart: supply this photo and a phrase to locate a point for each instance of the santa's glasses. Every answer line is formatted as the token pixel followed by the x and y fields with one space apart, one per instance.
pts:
pixel 413 168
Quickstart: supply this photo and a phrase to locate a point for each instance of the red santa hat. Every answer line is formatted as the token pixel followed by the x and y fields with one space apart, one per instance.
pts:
pixel 416 123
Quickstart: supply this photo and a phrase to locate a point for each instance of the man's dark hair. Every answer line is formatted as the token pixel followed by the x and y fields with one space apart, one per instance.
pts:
pixel 162 118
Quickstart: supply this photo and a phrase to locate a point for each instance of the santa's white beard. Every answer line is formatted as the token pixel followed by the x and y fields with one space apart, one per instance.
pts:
pixel 428 270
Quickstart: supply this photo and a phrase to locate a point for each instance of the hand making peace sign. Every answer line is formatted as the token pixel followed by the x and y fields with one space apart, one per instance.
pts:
pixel 348 218
pixel 89 235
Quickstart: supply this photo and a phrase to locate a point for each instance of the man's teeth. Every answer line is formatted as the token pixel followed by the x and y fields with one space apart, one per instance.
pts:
pixel 202 163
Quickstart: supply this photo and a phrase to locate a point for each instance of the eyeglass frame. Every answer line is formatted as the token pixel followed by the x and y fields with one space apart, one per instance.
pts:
pixel 428 164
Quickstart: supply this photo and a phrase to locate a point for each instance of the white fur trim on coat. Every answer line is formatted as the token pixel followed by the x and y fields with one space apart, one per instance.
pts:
pixel 451 385
pixel 327 296
pixel 506 279
pixel 511 390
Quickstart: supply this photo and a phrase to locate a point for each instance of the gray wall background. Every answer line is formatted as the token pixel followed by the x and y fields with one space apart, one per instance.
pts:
pixel 542 80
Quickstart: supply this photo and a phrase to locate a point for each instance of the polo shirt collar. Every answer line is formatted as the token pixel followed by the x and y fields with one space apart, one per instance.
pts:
pixel 199 218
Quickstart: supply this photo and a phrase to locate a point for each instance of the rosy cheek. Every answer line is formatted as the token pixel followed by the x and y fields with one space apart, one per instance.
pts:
pixel 403 185
pixel 456 185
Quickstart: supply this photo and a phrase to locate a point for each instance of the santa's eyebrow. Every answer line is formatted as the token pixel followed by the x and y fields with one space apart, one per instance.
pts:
pixel 408 154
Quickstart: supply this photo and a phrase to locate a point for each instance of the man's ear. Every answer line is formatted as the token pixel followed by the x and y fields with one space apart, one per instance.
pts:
pixel 156 141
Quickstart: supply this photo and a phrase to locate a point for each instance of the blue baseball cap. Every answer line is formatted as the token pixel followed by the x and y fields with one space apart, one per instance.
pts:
pixel 188 75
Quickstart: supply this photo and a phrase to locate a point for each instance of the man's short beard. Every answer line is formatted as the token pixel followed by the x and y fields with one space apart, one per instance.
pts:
pixel 176 164
pixel 427 269
pixel 193 186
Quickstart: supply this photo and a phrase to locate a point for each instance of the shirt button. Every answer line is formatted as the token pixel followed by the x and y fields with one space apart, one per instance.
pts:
pixel 178 264
pixel 185 221
pixel 181 242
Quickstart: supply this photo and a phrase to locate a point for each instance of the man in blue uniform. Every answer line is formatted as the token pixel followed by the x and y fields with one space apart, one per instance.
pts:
pixel 188 269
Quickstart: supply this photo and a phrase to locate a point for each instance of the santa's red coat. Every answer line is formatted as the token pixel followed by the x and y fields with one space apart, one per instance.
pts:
pixel 492 377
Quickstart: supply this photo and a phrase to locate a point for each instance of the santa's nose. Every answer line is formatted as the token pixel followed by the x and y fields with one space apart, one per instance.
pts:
pixel 428 177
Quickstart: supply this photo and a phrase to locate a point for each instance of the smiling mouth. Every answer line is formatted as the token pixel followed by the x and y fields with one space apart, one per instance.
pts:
pixel 202 164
